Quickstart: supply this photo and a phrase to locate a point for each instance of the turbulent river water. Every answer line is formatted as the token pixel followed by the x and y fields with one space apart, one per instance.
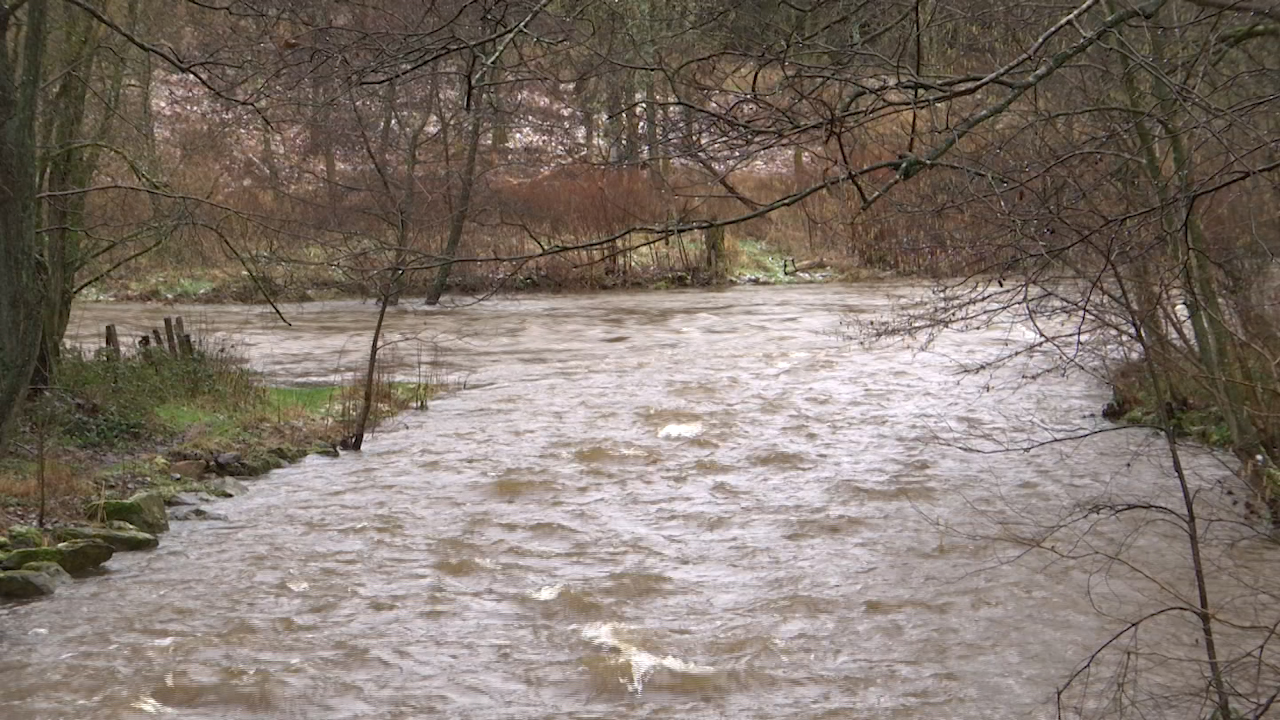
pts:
pixel 668 505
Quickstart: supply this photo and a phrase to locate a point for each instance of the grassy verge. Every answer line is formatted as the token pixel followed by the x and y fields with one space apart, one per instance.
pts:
pixel 111 427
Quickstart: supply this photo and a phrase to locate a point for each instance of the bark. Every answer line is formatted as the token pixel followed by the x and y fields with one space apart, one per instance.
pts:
pixel 21 294
pixel 356 440
pixel 67 169
pixel 457 223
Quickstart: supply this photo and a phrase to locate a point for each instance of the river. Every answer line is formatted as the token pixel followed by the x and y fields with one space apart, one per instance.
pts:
pixel 670 505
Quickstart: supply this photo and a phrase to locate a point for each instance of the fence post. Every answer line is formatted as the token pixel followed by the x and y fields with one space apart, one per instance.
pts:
pixel 168 333
pixel 113 343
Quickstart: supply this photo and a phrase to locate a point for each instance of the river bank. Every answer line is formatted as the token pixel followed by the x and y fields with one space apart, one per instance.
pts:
pixel 750 263
pixel 180 428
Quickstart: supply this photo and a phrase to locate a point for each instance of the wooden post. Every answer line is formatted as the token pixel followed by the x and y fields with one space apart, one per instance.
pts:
pixel 179 329
pixel 168 333
pixel 184 344
pixel 159 341
pixel 113 343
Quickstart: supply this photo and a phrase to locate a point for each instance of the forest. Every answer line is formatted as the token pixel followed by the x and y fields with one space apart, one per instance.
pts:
pixel 1107 169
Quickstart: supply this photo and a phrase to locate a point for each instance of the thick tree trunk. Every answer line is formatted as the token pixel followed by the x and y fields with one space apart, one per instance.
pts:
pixel 67 169
pixel 21 294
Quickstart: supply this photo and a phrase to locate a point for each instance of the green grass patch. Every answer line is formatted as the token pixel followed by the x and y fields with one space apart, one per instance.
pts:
pixel 316 400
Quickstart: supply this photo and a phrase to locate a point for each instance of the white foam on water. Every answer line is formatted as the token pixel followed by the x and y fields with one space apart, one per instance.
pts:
pixel 150 705
pixel 681 430
pixel 546 592
pixel 642 662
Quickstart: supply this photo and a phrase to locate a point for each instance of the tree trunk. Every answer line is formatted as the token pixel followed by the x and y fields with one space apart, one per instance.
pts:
pixel 356 440
pixel 458 222
pixel 21 295
pixel 67 169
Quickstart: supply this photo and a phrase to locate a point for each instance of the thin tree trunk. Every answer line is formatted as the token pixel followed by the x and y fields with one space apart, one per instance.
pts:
pixel 457 223
pixel 356 440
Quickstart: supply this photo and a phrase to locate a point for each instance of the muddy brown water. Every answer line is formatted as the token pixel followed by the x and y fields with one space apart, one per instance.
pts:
pixel 693 505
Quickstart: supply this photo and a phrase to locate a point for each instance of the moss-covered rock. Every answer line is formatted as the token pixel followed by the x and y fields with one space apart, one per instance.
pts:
pixel 52 570
pixel 121 540
pixel 144 511
pixel 24 536
pixel 5 545
pixel 25 584
pixel 260 464
pixel 23 556
pixel 74 556
pixel 81 555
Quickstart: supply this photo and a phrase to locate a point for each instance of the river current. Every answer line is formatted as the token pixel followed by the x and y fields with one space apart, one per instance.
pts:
pixel 658 505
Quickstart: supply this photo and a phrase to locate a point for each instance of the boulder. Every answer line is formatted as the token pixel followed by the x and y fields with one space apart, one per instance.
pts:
pixel 188 469
pixel 122 525
pixel 121 540
pixel 260 465
pixel 144 511
pixel 191 512
pixel 227 463
pixel 81 555
pixel 52 570
pixel 25 584
pixel 20 557
pixel 5 545
pixel 24 536
pixel 74 555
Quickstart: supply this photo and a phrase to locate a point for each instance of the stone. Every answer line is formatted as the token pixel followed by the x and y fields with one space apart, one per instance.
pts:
pixel 122 525
pixel 81 555
pixel 120 539
pixel 25 584
pixel 74 556
pixel 5 545
pixel 144 511
pixel 188 469
pixel 25 536
pixel 227 487
pixel 53 570
pixel 227 462
pixel 261 465
pixel 189 498
pixel 191 512
pixel 18 558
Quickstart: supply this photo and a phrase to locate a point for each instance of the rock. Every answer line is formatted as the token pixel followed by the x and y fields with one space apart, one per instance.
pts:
pixel 327 451
pixel 189 469
pixel 52 570
pixel 5 545
pixel 122 525
pixel 24 536
pixel 189 512
pixel 227 487
pixel 189 498
pixel 81 555
pixel 25 584
pixel 74 556
pixel 227 463
pixel 260 465
pixel 144 511
pixel 122 540
pixel 18 558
